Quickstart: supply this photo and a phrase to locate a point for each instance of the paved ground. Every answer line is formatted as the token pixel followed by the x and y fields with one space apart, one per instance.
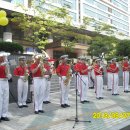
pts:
pixel 55 117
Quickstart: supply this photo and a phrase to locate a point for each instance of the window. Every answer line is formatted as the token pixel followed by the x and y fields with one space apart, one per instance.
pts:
pixel 71 5
pixel 101 6
pixel 90 13
pixel 90 1
pixel 15 1
pixel 73 15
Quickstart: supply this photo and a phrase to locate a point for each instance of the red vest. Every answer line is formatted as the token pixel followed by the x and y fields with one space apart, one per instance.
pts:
pixel 2 72
pixel 84 67
pixel 62 69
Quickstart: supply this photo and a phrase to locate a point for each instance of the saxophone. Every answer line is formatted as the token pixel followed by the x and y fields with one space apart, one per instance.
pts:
pixel 68 76
pixel 43 70
pixel 26 74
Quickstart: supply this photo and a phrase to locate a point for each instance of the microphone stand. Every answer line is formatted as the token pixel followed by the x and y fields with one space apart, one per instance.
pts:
pixel 76 120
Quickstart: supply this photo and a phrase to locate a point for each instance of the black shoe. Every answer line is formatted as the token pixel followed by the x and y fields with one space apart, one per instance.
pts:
pixel 25 105
pixel 101 97
pixel 5 119
pixel 82 102
pixel 41 111
pixel 45 102
pixel 114 94
pixel 98 98
pixel 20 106
pixel 117 94
pixel 48 102
pixel 36 112
pixel 63 106
pixel 66 105
pixel 86 101
pixel 109 89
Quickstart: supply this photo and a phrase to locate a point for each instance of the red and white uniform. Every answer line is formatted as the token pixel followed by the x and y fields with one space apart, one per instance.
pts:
pixel 98 80
pixel 125 68
pixel 48 82
pixel 84 82
pixel 77 68
pixel 115 79
pixel 109 78
pixel 39 87
pixel 4 92
pixel 22 84
pixel 62 71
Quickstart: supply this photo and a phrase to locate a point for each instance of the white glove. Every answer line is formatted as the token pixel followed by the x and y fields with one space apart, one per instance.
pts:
pixel 9 76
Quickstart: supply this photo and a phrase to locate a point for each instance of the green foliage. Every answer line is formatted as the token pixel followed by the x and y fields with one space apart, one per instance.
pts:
pixel 68 45
pixel 123 48
pixel 103 44
pixel 99 27
pixel 10 47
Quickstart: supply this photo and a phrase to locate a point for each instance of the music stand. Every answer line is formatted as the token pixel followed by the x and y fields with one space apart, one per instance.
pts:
pixel 76 120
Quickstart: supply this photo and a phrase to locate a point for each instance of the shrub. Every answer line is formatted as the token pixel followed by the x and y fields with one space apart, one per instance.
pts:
pixel 10 47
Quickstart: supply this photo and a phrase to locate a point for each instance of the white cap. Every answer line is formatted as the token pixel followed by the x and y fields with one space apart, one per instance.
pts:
pixel 114 59
pixel 98 60
pixel 21 58
pixel 126 57
pixel 64 57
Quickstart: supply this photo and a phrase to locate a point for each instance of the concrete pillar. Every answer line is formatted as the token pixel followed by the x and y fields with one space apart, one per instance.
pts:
pixel 7 36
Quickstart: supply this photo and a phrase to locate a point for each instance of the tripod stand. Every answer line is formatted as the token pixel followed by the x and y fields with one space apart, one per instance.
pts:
pixel 76 120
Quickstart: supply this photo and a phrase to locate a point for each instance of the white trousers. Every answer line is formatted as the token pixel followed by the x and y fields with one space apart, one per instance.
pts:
pixel 115 80
pixel 4 98
pixel 90 82
pixel 84 88
pixel 126 80
pixel 39 89
pixel 109 80
pixel 64 91
pixel 99 86
pixel 47 90
pixel 22 92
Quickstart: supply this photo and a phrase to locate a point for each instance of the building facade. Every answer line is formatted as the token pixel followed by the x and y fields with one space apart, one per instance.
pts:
pixel 113 12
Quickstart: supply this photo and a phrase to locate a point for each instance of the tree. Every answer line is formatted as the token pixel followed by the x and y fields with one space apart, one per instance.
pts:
pixel 102 44
pixel 55 22
pixel 123 48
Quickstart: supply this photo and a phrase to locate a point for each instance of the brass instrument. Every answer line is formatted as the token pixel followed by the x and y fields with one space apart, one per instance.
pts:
pixel 68 76
pixel 26 74
pixel 43 70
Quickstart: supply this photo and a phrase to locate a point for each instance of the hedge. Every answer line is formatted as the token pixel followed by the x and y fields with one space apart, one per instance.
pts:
pixel 11 47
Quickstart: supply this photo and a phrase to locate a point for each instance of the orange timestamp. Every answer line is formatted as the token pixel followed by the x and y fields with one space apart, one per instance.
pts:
pixel 108 115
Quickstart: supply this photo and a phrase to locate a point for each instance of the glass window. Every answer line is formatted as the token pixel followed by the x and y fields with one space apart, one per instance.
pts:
pixel 73 15
pixel 88 8
pixel 90 1
pixel 15 1
pixel 89 13
pixel 101 6
pixel 71 5
pixel 102 18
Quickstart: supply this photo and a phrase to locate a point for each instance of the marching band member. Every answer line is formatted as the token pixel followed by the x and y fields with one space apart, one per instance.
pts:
pixel 114 68
pixel 38 72
pixel 64 72
pixel 109 76
pixel 48 75
pixel 126 69
pixel 84 82
pixel 77 68
pixel 22 72
pixel 98 70
pixel 4 89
